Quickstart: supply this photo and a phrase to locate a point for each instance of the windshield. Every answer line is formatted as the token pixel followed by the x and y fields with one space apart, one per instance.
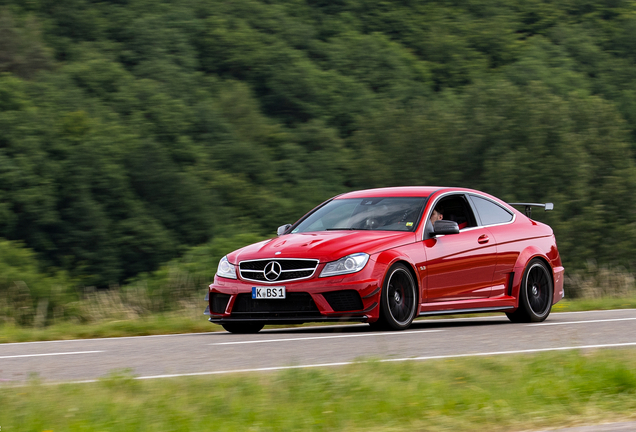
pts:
pixel 383 214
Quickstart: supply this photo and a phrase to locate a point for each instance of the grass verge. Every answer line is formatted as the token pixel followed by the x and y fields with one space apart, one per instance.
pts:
pixel 166 323
pixel 496 394
pixel 189 322
pixel 586 304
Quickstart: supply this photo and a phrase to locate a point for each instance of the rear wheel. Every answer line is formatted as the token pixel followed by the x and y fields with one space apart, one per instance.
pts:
pixel 243 327
pixel 398 304
pixel 535 294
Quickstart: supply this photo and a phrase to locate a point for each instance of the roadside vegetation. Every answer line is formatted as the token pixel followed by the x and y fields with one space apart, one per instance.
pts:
pixel 511 393
pixel 39 306
pixel 134 130
pixel 142 141
pixel 190 319
pixel 35 306
pixel 171 300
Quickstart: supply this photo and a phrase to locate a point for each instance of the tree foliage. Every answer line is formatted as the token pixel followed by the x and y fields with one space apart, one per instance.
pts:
pixel 133 130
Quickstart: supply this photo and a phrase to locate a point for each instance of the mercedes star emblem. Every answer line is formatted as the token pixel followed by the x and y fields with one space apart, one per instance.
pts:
pixel 272 270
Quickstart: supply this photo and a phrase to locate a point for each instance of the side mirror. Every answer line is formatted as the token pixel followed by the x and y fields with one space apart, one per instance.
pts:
pixel 443 227
pixel 283 229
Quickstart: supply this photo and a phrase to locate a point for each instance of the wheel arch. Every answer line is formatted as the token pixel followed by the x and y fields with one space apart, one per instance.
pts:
pixel 390 258
pixel 407 310
pixel 524 258
pixel 411 270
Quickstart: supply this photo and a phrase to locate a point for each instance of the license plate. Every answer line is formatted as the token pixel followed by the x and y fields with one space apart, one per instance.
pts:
pixel 277 292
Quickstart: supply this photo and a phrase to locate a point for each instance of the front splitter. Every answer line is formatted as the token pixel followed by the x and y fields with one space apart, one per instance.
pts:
pixel 290 320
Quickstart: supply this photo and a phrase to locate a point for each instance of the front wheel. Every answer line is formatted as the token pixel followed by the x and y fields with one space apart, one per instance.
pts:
pixel 398 304
pixel 243 327
pixel 535 294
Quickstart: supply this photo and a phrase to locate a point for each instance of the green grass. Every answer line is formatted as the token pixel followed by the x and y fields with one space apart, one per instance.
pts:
pixel 496 394
pixel 187 322
pixel 169 323
pixel 585 304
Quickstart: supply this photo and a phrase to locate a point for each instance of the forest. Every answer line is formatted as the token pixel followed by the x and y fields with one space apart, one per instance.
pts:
pixel 139 133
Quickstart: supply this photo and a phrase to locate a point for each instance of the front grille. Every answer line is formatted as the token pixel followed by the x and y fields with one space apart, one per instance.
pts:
pixel 347 300
pixel 219 302
pixel 277 270
pixel 295 304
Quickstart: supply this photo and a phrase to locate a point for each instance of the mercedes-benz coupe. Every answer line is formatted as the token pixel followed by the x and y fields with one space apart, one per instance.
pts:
pixel 387 256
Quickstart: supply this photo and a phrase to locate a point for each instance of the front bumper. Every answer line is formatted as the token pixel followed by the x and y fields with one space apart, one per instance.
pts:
pixel 339 298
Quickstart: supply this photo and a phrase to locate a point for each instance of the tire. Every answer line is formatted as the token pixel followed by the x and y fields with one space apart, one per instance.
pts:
pixel 398 304
pixel 243 327
pixel 535 294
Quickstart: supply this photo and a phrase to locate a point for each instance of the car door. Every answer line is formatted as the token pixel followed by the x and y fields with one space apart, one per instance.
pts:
pixel 459 266
pixel 498 220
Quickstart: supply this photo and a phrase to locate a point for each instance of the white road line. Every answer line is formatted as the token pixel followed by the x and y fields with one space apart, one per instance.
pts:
pixel 582 322
pixel 528 351
pixel 277 330
pixel 441 357
pixel 49 354
pixel 264 369
pixel 323 337
pixel 441 318
pixel 595 310
pixel 111 338
pixel 278 368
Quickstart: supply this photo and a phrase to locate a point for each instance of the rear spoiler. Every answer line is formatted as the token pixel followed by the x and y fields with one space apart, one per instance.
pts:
pixel 528 206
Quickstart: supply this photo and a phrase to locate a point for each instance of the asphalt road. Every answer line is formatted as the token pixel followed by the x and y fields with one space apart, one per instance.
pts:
pixel 220 352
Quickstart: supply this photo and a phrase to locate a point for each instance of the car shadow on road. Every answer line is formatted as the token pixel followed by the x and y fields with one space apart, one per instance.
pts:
pixel 365 328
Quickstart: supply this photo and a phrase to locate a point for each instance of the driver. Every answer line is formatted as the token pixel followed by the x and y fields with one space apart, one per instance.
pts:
pixel 438 214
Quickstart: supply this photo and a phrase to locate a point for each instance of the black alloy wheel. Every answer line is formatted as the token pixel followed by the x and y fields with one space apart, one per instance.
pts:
pixel 398 304
pixel 243 327
pixel 535 294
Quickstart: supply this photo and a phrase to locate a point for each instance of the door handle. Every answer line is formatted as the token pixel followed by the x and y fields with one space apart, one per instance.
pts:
pixel 483 239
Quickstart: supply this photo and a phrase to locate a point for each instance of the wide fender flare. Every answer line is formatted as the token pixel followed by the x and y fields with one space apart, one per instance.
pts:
pixel 387 258
pixel 527 255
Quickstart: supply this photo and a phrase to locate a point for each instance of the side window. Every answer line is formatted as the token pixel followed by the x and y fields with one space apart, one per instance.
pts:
pixel 489 212
pixel 456 208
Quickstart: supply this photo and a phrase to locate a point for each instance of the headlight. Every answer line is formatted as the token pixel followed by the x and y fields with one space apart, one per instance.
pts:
pixel 349 264
pixel 225 269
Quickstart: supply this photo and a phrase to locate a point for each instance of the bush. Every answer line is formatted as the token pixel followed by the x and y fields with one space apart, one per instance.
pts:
pixel 27 294
pixel 30 297
pixel 600 282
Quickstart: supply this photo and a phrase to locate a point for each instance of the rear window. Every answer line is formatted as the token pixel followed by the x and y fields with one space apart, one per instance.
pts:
pixel 489 212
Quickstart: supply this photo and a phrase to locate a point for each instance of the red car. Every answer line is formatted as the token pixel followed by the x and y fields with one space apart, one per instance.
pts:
pixel 387 256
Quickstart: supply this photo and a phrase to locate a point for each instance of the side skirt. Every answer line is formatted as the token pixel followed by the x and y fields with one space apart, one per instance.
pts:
pixel 467 311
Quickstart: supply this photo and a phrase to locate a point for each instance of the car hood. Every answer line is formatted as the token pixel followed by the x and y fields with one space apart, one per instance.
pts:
pixel 324 245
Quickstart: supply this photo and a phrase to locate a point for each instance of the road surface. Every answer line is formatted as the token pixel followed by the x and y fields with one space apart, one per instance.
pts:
pixel 321 346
